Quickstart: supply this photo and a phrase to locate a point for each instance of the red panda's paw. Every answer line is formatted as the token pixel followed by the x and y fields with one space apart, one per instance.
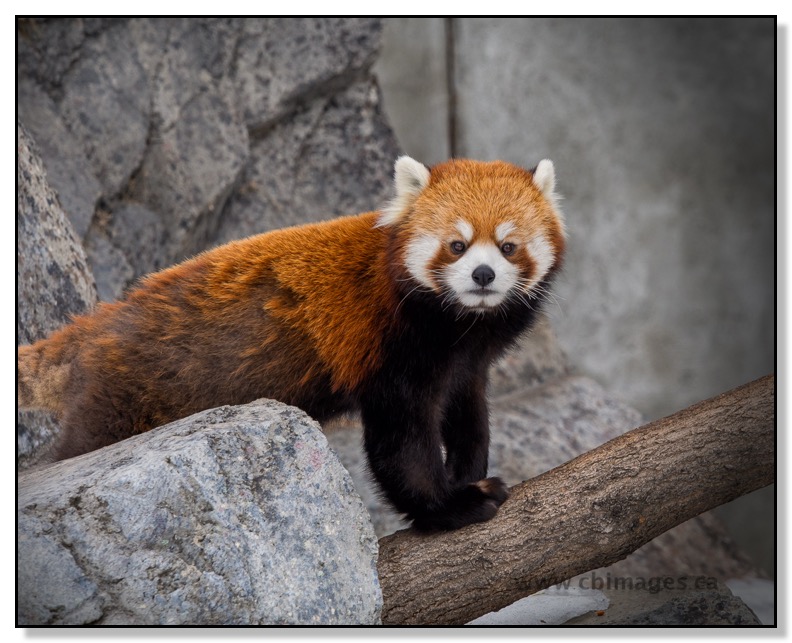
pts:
pixel 476 502
pixel 493 488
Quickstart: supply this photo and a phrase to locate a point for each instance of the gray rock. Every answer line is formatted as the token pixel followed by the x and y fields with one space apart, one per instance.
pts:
pixel 187 58
pixel 47 48
pixel 109 263
pixel 236 515
pixel 68 170
pixel 105 104
pixel 36 431
pixel 662 601
pixel 191 168
pixel 540 427
pixel 418 104
pixel 53 279
pixel 282 63
pixel 759 594
pixel 334 157
pixel 140 234
pixel 146 122
pixel 538 358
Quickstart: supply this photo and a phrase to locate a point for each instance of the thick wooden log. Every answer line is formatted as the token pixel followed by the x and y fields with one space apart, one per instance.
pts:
pixel 588 513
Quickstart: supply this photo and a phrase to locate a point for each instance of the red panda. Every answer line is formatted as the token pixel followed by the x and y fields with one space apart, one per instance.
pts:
pixel 397 314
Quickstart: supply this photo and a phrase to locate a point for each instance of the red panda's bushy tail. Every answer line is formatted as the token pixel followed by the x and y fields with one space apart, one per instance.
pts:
pixel 43 371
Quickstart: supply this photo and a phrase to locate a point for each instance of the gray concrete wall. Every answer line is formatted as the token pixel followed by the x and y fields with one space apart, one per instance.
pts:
pixel 663 135
pixel 412 72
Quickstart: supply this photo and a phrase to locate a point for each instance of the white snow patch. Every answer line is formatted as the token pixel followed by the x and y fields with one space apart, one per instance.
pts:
pixel 551 606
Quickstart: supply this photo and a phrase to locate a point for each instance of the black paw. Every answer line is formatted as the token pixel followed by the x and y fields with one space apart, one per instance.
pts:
pixel 475 502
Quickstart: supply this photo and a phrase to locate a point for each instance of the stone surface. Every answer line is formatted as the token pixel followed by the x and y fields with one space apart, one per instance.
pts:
pixel 236 515
pixel 757 593
pixel 285 62
pixel 110 265
pixel 53 279
pixel 68 170
pixel 538 428
pixel 538 358
pixel 346 439
pixel 685 601
pixel 198 142
pixel 105 104
pixel 155 122
pixel 36 431
pixel 334 157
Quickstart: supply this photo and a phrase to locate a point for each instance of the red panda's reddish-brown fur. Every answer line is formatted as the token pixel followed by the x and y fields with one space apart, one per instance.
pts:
pixel 194 336
pixel 325 317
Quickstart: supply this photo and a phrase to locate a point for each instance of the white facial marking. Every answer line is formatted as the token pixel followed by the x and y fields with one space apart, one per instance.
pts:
pixel 465 229
pixel 543 255
pixel 504 230
pixel 459 276
pixel 420 252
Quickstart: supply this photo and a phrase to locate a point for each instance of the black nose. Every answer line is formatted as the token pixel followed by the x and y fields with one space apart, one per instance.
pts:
pixel 483 275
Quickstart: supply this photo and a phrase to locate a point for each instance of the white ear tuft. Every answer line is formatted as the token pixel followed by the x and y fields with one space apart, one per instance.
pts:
pixel 544 178
pixel 409 179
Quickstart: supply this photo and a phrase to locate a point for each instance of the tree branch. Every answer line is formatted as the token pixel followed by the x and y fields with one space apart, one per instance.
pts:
pixel 588 513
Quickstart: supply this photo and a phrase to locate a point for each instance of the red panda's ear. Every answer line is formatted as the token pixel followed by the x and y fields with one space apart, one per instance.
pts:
pixel 544 178
pixel 409 179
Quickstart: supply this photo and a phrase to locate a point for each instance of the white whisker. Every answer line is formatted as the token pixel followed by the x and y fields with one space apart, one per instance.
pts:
pixel 405 297
pixel 475 319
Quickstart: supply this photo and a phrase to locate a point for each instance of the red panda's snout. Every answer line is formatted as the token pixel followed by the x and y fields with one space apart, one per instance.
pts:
pixel 479 278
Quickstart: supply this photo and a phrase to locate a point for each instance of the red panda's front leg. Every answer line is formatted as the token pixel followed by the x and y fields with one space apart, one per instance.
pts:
pixel 403 443
pixel 465 429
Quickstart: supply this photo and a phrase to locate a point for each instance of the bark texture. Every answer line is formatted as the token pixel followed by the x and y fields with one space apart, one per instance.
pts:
pixel 588 513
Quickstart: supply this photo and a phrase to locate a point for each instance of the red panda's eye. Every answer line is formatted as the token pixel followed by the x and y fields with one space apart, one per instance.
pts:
pixel 458 247
pixel 508 248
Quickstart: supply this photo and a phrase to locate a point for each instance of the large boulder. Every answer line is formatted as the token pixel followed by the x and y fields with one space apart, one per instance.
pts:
pixel 236 515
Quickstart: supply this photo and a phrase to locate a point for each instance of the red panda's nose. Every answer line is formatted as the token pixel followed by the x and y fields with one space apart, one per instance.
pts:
pixel 483 275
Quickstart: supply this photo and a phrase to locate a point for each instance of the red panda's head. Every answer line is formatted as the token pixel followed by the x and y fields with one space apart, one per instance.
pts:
pixel 476 233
